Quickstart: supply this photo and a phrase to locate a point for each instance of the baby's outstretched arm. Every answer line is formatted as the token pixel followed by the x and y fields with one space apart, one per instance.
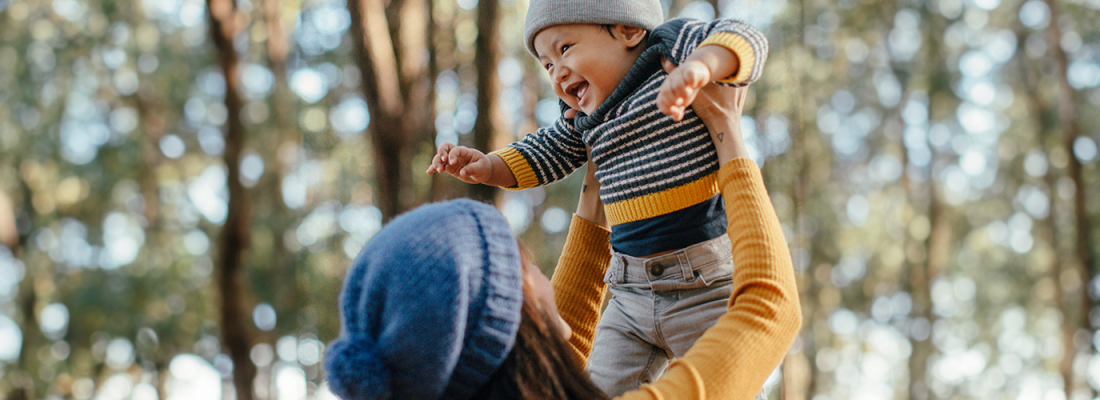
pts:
pixel 471 166
pixel 684 82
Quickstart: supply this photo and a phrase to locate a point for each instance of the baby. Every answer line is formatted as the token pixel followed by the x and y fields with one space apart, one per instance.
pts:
pixel 671 263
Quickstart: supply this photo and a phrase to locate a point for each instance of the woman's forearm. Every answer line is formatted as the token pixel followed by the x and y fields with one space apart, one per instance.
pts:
pixel 735 356
pixel 578 283
pixel 726 134
pixel 589 206
pixel 720 109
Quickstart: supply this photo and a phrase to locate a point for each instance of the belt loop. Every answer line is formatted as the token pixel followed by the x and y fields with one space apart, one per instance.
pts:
pixel 685 266
pixel 622 269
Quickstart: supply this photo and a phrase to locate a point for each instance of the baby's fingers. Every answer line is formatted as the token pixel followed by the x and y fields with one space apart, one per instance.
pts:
pixel 667 65
pixel 436 165
pixel 670 104
pixel 685 85
pixel 457 156
pixel 444 150
pixel 440 158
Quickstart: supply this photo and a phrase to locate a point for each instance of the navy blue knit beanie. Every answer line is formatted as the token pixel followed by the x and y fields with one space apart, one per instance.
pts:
pixel 430 308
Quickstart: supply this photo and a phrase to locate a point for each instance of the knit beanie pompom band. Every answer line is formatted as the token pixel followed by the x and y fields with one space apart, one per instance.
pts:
pixel 542 14
pixel 430 308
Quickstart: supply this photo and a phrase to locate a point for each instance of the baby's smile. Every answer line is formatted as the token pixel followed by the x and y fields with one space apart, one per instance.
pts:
pixel 577 90
pixel 586 62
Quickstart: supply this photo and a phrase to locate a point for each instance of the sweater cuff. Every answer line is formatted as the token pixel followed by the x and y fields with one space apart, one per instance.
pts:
pixel 587 237
pixel 525 176
pixel 742 172
pixel 741 48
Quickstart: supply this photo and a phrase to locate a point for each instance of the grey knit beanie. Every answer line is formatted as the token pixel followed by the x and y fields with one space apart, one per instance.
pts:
pixel 542 14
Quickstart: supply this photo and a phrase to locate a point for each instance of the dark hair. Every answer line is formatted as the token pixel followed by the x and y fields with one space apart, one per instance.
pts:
pixel 542 364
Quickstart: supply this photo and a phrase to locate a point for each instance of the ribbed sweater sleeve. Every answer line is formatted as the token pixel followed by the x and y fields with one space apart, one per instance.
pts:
pixel 578 283
pixel 749 44
pixel 546 156
pixel 734 357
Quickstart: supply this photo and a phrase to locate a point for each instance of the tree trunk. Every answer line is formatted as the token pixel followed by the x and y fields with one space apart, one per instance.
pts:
pixel 396 91
pixel 22 376
pixel 234 239
pixel 1039 109
pixel 1071 130
pixel 488 124
pixel 928 257
pixel 287 296
pixel 798 366
pixel 440 41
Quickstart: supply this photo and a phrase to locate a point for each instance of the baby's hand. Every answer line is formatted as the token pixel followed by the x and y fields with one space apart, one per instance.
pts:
pixel 680 88
pixel 466 164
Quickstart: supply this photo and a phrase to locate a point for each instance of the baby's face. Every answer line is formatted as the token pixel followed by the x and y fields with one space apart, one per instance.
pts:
pixel 585 62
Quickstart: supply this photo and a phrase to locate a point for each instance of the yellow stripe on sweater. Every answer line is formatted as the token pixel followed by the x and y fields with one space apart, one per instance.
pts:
pixel 663 202
pixel 740 48
pixel 525 175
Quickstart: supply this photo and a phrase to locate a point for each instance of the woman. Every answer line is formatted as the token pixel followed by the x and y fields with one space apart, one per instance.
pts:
pixel 442 303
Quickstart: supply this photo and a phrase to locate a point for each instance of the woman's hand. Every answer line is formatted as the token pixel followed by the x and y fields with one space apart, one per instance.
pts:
pixel 720 109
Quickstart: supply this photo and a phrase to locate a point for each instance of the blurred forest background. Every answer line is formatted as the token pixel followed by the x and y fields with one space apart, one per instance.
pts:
pixel 183 184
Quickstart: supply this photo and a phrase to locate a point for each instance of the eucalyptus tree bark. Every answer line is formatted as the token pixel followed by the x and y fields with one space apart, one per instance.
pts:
pixel 1071 130
pixel 488 125
pixel 391 58
pixel 225 23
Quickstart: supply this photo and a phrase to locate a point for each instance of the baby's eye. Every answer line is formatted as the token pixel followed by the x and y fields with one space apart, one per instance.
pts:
pixel 547 66
pixel 565 47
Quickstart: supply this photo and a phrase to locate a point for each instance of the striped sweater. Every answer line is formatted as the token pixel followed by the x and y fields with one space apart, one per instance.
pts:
pixel 649 164
pixel 735 356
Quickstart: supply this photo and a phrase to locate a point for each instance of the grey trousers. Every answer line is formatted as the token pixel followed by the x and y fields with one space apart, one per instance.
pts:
pixel 659 306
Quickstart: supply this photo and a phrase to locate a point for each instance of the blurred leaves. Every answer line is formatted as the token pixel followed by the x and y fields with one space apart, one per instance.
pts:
pixel 900 141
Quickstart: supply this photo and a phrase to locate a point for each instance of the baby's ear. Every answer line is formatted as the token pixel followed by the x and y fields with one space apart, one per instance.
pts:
pixel 630 35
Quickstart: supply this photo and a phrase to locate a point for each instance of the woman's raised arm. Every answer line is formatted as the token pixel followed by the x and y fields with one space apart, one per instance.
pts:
pixel 578 283
pixel 735 356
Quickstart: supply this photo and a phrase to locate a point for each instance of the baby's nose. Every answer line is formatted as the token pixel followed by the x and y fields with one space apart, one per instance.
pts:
pixel 560 73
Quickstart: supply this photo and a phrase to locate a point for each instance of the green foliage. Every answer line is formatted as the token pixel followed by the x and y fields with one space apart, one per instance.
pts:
pixel 913 151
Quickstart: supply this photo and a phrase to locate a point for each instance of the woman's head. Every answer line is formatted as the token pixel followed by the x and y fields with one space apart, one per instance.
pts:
pixel 443 303
pixel 542 364
pixel 431 306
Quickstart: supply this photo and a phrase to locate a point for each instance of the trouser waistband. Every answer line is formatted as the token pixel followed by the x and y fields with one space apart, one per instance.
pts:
pixel 695 266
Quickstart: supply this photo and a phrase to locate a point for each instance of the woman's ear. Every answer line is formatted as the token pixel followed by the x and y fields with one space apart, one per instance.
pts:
pixel 630 35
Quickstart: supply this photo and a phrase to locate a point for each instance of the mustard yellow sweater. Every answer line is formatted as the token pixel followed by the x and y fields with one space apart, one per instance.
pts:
pixel 735 356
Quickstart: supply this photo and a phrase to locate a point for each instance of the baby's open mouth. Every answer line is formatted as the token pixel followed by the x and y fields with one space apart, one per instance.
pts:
pixel 577 90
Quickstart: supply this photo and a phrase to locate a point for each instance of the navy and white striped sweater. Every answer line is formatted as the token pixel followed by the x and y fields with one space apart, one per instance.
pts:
pixel 654 173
